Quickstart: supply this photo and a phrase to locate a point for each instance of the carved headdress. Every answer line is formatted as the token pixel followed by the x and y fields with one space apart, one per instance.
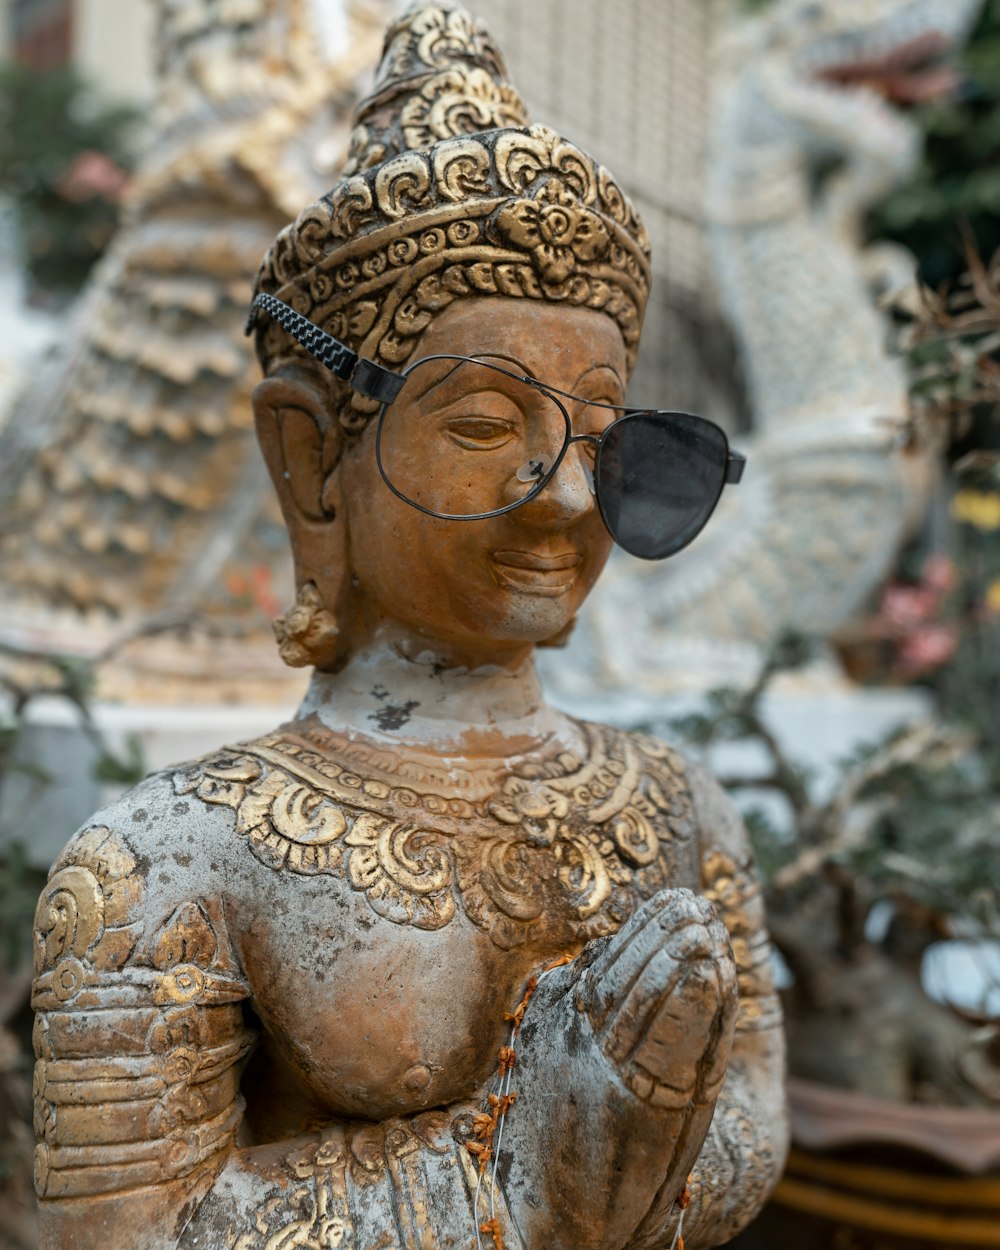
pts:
pixel 449 192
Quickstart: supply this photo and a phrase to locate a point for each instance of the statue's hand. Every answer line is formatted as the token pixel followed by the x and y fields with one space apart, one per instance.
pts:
pixel 619 1063
pixel 661 998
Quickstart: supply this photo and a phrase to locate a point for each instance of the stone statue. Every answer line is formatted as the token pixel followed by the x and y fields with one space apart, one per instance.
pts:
pixel 432 965
pixel 131 489
pixel 805 137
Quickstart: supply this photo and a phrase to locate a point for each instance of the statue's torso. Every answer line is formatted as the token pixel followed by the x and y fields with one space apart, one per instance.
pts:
pixel 387 914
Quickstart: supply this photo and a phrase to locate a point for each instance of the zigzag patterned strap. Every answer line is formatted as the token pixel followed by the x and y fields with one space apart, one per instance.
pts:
pixel 363 375
pixel 329 351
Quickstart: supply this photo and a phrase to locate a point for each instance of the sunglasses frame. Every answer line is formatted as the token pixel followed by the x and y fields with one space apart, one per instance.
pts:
pixel 384 386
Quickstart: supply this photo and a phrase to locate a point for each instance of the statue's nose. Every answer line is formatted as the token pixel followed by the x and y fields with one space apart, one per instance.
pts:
pixel 566 497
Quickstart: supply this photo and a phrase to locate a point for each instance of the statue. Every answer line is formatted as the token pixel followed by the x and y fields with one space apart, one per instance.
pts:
pixel 804 137
pixel 432 964
pixel 135 513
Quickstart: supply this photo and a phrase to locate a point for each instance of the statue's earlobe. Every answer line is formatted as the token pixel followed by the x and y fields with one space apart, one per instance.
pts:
pixel 301 441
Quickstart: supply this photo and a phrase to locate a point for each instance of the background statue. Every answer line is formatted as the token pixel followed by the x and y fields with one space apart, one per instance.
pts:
pixel 273 985
pixel 131 491
pixel 804 137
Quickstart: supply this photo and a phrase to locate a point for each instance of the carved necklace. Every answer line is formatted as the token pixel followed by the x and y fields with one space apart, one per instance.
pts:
pixel 563 845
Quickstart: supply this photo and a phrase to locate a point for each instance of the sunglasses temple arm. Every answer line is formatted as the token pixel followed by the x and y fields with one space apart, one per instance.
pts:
pixel 735 464
pixel 366 377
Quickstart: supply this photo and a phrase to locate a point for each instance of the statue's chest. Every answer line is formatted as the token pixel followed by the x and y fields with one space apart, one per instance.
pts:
pixel 561 853
pixel 385 929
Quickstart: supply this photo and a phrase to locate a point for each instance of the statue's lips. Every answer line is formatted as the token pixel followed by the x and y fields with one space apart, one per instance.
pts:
pixel 539 574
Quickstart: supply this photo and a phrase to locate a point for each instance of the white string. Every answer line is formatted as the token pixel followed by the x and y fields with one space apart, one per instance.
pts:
pixel 504 1092
pixel 679 1230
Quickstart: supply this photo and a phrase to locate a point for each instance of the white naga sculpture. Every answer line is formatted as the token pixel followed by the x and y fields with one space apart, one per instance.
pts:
pixel 800 148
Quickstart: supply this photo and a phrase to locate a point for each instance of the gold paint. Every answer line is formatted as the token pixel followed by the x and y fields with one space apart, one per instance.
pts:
pixel 155 1094
pixel 736 893
pixel 581 836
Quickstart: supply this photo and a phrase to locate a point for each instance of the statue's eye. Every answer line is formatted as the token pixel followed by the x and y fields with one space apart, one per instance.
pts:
pixel 595 418
pixel 480 433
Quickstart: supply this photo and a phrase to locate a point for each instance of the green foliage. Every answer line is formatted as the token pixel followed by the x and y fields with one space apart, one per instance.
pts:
pixel 63 157
pixel 958 179
pixel 936 842
pixel 915 816
pixel 20 885
pixel 124 770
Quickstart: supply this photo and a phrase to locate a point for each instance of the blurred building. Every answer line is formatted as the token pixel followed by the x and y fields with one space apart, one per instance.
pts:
pixel 108 41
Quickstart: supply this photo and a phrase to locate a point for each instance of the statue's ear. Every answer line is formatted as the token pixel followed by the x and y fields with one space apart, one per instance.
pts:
pixel 301 441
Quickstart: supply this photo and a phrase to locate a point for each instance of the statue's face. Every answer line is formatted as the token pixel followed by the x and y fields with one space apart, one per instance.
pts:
pixel 499 583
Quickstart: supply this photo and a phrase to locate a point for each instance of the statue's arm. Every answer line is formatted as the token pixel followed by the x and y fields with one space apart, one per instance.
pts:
pixel 744 1153
pixel 141 1034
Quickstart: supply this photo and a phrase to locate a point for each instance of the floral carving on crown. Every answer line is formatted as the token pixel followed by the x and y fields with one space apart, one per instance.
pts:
pixel 459 102
pixel 560 234
pixel 435 36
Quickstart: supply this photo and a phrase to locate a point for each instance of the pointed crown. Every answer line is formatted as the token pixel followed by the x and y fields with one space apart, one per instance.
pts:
pixel 449 192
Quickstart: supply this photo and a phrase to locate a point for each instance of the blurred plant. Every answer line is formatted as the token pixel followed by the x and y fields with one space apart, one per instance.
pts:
pixel 950 340
pixel 28 677
pixel 64 157
pixel 959 174
pixel 894 810
pixel 20 885
pixel 912 826
pixel 939 620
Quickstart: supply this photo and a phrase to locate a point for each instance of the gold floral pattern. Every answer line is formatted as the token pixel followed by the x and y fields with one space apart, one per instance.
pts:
pixel 459 102
pixel 536 807
pixel 288 824
pixel 735 891
pixel 403 869
pixel 566 843
pixel 85 920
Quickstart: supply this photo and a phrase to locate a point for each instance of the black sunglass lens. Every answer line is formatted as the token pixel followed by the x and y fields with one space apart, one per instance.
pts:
pixel 659 477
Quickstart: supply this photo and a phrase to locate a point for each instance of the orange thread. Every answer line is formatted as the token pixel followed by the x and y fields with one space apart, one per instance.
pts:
pixel 682 1202
pixel 493 1229
pixel 486 1123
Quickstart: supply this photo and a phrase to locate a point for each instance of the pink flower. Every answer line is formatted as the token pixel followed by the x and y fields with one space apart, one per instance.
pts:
pixel 940 573
pixel 906 606
pixel 927 649
pixel 91 175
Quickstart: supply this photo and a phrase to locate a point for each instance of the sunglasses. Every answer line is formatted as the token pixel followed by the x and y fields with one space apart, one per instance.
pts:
pixel 489 435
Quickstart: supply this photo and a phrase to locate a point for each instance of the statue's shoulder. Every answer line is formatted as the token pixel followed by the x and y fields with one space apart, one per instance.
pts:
pixel 721 832
pixel 149 834
pixel 154 858
pixel 132 907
